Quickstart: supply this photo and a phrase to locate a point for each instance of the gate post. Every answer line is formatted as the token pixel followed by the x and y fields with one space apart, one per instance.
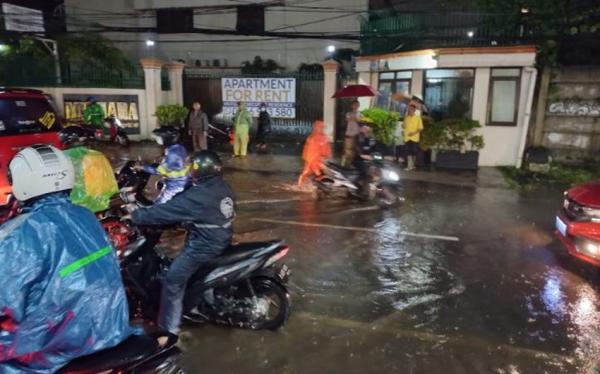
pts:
pixel 153 92
pixel 330 68
pixel 176 78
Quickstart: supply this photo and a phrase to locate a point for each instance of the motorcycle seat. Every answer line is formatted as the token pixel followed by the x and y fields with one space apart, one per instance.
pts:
pixel 134 348
pixel 237 252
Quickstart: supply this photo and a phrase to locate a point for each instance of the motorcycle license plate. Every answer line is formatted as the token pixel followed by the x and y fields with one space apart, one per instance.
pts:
pixel 561 226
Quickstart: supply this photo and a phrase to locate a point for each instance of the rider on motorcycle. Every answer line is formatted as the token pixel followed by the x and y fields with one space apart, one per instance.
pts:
pixel 62 296
pixel 364 144
pixel 93 114
pixel 208 209
pixel 175 171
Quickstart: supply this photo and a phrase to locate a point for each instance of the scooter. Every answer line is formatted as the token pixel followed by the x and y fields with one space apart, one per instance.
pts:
pixel 84 133
pixel 132 185
pixel 249 288
pixel 338 181
pixel 137 354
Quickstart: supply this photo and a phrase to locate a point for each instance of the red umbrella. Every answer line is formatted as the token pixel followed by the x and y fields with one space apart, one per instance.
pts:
pixel 356 90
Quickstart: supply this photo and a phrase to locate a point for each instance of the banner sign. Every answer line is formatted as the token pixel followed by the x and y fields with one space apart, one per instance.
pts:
pixel 124 107
pixel 278 93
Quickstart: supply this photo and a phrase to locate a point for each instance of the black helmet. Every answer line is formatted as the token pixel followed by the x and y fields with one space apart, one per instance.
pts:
pixel 205 164
pixel 166 135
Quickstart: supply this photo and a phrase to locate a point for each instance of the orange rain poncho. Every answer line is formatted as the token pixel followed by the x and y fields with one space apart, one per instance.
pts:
pixel 315 149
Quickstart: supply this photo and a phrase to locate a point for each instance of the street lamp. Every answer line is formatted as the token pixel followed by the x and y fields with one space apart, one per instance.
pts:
pixel 149 43
pixel 470 34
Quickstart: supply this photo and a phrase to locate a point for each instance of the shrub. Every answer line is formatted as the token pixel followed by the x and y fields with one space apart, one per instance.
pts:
pixel 459 134
pixel 383 123
pixel 173 115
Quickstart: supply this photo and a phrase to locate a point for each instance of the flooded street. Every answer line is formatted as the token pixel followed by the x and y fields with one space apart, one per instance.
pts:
pixel 460 278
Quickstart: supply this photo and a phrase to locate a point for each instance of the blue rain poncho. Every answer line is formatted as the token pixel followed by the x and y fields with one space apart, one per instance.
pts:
pixel 175 172
pixel 62 296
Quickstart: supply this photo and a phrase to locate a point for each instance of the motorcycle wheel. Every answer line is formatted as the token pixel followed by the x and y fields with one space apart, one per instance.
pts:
pixel 123 140
pixel 279 304
pixel 387 197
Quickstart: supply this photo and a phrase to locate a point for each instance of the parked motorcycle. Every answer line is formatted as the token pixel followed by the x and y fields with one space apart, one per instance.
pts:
pixel 84 133
pixel 338 181
pixel 249 288
pixel 137 354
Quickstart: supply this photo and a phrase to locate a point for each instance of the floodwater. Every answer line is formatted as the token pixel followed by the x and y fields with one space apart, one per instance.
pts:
pixel 490 292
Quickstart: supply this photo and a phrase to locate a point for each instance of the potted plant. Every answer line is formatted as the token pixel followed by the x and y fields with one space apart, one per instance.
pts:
pixel 384 124
pixel 171 115
pixel 455 142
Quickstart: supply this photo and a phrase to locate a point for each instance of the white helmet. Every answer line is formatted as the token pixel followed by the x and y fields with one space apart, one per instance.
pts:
pixel 39 170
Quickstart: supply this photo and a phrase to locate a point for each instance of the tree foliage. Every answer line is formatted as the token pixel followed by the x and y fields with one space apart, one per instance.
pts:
pixel 260 66
pixel 548 22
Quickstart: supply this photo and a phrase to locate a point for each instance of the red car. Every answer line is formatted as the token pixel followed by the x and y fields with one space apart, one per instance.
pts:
pixel 578 222
pixel 27 117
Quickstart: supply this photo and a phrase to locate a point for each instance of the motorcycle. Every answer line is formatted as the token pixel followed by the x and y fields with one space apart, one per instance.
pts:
pixel 84 133
pixel 338 181
pixel 249 290
pixel 137 354
pixel 132 185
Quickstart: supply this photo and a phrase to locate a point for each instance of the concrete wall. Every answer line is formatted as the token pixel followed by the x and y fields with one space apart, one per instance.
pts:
pixel 287 52
pixel 145 112
pixel 572 113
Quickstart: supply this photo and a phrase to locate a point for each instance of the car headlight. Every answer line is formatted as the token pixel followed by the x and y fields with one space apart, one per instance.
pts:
pixel 592 213
pixel 589 247
pixel 391 175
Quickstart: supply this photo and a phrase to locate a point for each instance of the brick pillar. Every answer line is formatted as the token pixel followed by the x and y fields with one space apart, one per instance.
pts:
pixel 331 68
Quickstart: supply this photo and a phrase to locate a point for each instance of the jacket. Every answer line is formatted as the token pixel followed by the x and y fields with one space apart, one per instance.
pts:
pixel 198 122
pixel 173 169
pixel 206 209
pixel 62 295
pixel 264 123
pixel 94 115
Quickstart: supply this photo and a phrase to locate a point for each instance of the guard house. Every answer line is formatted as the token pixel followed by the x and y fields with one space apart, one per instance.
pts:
pixel 460 68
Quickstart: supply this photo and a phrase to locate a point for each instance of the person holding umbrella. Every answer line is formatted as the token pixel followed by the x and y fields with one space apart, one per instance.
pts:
pixel 352 129
pixel 352 118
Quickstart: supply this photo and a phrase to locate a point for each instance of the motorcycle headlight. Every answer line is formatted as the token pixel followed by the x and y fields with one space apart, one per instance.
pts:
pixel 391 175
pixel 158 139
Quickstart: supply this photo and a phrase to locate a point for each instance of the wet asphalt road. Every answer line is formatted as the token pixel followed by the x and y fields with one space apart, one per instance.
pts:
pixel 501 299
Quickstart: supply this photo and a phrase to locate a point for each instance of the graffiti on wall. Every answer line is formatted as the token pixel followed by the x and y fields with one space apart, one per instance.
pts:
pixel 580 108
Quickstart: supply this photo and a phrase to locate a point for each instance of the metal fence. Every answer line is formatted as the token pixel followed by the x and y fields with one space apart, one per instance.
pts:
pixel 23 74
pixel 206 89
pixel 410 31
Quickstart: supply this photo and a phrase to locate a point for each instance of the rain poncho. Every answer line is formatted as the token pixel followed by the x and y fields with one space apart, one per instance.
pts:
pixel 62 296
pixel 174 170
pixel 95 182
pixel 94 115
pixel 315 149
pixel 316 146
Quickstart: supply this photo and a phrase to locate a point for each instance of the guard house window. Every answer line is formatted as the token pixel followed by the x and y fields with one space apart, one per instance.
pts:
pixel 390 83
pixel 251 19
pixel 449 92
pixel 503 103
